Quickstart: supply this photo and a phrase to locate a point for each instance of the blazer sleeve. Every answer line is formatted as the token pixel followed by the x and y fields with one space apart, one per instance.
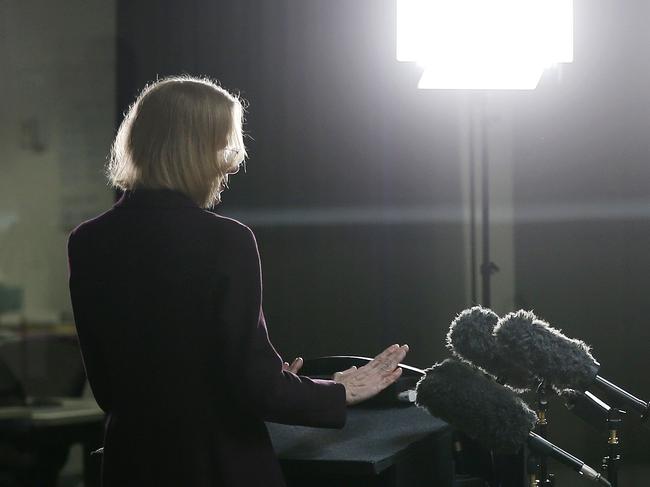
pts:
pixel 82 296
pixel 253 366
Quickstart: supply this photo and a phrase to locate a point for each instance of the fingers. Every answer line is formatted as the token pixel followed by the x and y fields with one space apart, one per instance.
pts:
pixel 295 366
pixel 342 375
pixel 386 353
pixel 392 353
pixel 392 377
pixel 399 354
pixel 387 360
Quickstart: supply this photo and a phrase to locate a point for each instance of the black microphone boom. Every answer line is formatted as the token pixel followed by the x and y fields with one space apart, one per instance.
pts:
pixel 590 408
pixel 622 397
pixel 542 446
pixel 563 362
pixel 491 413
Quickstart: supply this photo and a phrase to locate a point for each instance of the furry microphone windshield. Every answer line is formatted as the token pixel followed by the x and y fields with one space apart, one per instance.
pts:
pixel 535 346
pixel 475 404
pixel 470 338
pixel 565 363
pixel 488 412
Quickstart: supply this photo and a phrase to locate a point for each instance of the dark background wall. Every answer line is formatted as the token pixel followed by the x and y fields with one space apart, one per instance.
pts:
pixel 338 129
pixel 582 198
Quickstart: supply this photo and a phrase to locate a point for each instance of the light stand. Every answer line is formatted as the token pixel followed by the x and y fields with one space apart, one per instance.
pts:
pixel 469 46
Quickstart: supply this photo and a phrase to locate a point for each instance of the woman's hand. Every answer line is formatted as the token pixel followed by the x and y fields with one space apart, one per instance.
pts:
pixel 365 382
pixel 294 367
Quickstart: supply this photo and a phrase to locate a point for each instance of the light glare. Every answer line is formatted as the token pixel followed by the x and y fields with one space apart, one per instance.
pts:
pixel 484 44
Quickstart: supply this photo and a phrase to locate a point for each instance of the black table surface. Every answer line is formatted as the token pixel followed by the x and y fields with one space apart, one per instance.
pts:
pixel 372 440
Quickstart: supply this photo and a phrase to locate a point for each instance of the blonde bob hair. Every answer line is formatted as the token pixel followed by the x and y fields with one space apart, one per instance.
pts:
pixel 182 133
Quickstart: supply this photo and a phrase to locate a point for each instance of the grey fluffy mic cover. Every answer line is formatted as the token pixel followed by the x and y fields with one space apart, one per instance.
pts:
pixel 563 362
pixel 472 402
pixel 470 338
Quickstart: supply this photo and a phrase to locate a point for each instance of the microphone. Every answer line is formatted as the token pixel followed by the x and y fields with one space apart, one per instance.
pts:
pixel 565 363
pixel 470 338
pixel 492 414
pixel 591 409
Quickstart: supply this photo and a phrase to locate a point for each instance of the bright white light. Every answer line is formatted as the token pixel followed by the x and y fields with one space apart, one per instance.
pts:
pixel 484 44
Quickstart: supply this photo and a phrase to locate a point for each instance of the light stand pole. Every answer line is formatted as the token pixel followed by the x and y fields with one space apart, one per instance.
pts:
pixel 472 209
pixel 487 267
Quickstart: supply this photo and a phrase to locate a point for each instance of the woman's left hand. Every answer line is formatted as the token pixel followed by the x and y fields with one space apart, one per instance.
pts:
pixel 294 367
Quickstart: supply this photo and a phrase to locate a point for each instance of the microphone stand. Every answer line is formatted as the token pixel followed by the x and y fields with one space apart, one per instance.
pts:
pixel 612 460
pixel 593 411
pixel 532 467
pixel 546 479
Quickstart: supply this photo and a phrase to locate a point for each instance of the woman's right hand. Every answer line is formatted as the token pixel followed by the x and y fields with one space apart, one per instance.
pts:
pixel 365 382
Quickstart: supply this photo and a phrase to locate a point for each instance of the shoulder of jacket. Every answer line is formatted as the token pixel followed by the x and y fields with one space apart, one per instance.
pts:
pixel 88 225
pixel 232 226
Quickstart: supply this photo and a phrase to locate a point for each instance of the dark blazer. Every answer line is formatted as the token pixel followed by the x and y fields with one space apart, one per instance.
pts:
pixel 167 301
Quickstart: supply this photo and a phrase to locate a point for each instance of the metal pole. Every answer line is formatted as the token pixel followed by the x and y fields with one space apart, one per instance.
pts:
pixel 472 203
pixel 486 265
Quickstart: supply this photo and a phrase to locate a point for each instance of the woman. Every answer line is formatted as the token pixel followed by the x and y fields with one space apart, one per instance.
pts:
pixel 167 303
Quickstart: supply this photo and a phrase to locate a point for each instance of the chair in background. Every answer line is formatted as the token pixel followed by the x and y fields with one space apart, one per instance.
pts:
pixel 36 370
pixel 46 365
pixel 11 390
